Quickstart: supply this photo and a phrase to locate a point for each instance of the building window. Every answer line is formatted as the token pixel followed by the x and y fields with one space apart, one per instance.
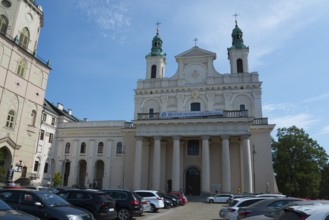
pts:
pixel 24 38
pixel 44 117
pixel 193 148
pixel 151 112
pixel 33 117
pixel 100 148
pixel 53 121
pixel 21 68
pixel 3 24
pixel 36 166
pixel 242 107
pixel 45 170
pixel 119 148
pixel 239 64
pixel 42 134
pixel 51 137
pixel 195 107
pixel 153 71
pixel 10 119
pixel 83 148
pixel 67 147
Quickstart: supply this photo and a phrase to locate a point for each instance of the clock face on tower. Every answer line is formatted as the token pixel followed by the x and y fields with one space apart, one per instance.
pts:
pixel 195 73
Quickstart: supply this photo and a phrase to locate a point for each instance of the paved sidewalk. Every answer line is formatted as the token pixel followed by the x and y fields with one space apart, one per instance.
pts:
pixel 191 211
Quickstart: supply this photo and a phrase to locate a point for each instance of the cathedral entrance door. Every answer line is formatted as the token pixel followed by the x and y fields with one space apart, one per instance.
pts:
pixel 192 182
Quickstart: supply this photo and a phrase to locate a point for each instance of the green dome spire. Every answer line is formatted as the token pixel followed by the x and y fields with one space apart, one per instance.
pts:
pixel 156 44
pixel 237 40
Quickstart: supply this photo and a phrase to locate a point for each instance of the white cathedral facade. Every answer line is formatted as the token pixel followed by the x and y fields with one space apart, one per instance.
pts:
pixel 198 131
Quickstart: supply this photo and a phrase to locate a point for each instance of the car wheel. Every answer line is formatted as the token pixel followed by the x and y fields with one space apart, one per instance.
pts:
pixel 153 208
pixel 124 214
pixel 211 201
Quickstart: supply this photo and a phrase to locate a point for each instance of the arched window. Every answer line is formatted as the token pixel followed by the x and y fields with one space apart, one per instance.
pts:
pixel 10 119
pixel 24 38
pixel 195 106
pixel 21 67
pixel 153 71
pixel 67 147
pixel 83 148
pixel 3 24
pixel 33 117
pixel 100 147
pixel 239 64
pixel 119 148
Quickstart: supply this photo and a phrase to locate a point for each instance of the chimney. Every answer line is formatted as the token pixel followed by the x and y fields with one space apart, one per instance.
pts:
pixel 60 106
pixel 70 111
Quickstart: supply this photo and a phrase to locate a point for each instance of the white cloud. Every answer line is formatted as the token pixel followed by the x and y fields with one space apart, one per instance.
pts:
pixel 318 98
pixel 302 120
pixel 110 16
pixel 324 131
pixel 282 107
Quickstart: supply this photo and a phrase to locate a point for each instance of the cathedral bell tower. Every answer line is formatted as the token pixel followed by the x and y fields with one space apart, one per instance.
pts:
pixel 238 53
pixel 156 60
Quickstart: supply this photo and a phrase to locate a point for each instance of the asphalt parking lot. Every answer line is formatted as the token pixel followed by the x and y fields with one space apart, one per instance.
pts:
pixel 190 211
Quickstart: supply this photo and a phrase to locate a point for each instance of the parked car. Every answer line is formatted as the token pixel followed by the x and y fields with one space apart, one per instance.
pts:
pixel 181 195
pixel 156 200
pixel 179 200
pixel 271 195
pixel 168 203
pixel 230 212
pixel 274 214
pixel 220 198
pixel 8 213
pixel 99 203
pixel 259 208
pixel 302 211
pixel 319 215
pixel 128 203
pixel 43 205
pixel 42 188
pixel 146 205
pixel 176 201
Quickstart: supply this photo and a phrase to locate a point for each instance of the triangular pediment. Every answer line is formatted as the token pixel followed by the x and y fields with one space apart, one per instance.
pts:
pixel 9 142
pixel 196 52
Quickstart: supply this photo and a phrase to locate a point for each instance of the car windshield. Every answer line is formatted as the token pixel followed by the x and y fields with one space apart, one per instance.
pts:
pixel 53 200
pixel 4 206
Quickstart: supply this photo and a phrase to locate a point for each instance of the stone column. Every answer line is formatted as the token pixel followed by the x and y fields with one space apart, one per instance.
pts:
pixel 72 180
pixel 107 163
pixel 176 165
pixel 156 163
pixel 90 148
pixel 247 171
pixel 138 163
pixel 226 166
pixel 205 184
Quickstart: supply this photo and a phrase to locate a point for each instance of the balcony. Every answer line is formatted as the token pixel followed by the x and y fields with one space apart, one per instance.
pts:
pixel 200 115
pixel 192 115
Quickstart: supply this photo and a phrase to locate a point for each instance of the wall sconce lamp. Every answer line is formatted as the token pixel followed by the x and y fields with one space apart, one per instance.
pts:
pixel 18 167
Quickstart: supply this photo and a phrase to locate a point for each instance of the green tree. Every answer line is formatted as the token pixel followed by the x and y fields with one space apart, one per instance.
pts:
pixel 324 189
pixel 57 179
pixel 298 162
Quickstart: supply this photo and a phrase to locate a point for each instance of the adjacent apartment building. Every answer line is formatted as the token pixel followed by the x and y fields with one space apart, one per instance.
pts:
pixel 23 81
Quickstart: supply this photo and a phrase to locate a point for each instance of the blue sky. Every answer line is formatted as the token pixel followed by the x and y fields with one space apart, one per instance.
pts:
pixel 97 51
